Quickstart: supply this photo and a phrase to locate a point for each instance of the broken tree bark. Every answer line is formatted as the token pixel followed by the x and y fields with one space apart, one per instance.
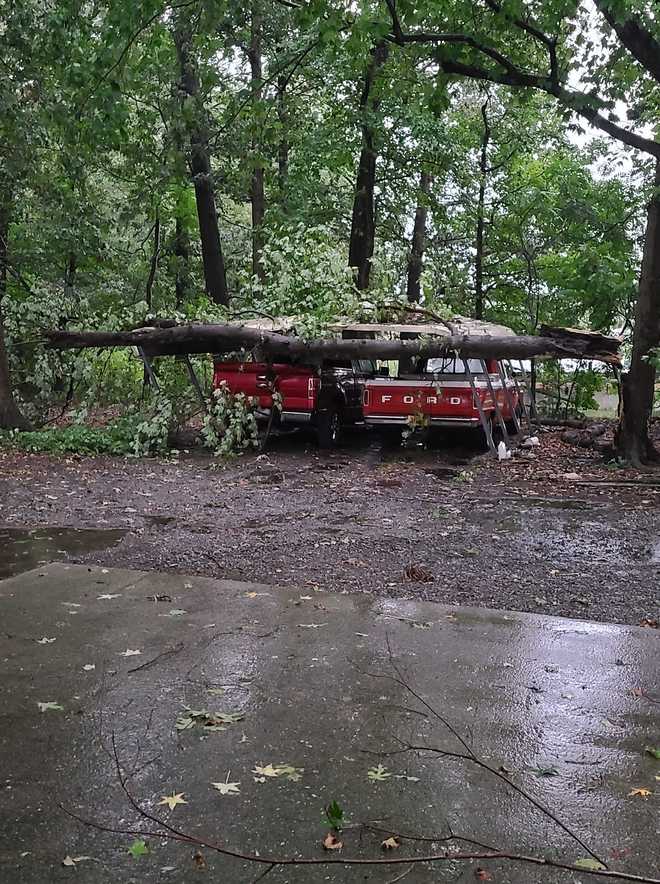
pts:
pixel 222 338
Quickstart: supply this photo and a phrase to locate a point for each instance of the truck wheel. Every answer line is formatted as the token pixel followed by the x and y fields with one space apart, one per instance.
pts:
pixel 329 427
pixel 481 433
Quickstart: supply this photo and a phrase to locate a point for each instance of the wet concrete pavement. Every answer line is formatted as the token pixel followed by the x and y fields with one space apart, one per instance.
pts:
pixel 566 706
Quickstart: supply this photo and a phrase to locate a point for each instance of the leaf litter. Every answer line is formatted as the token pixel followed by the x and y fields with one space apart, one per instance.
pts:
pixel 262 772
pixel 209 721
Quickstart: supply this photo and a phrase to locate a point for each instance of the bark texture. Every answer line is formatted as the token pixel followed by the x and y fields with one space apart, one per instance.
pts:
pixel 481 200
pixel 638 383
pixel 363 227
pixel 200 165
pixel 169 339
pixel 10 414
pixel 416 258
pixel 257 193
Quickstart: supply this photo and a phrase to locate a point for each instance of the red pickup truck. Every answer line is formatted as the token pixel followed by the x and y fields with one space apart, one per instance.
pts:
pixel 439 394
pixel 327 398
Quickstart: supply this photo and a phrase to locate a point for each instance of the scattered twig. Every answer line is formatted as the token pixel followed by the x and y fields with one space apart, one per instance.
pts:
pixel 505 856
pixel 166 830
pixel 168 653
pixel 469 754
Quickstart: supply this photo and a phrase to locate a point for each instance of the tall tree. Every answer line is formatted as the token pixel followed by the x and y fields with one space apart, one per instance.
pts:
pixel 10 414
pixel 481 203
pixel 195 115
pixel 418 244
pixel 363 228
pixel 257 194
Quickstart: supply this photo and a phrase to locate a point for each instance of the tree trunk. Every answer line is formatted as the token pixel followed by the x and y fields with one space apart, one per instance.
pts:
pixel 638 383
pixel 361 248
pixel 479 243
pixel 70 276
pixel 153 266
pixel 181 249
pixel 257 195
pixel 168 338
pixel 415 261
pixel 200 165
pixel 10 415
pixel 283 144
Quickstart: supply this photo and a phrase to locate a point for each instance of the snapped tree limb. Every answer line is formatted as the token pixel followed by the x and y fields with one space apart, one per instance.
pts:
pixel 228 337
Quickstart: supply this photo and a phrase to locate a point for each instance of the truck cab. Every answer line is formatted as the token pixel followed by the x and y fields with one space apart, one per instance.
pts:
pixel 440 392
pixel 327 397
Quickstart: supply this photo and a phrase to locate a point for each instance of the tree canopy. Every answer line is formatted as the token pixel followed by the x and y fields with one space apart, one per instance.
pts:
pixel 210 159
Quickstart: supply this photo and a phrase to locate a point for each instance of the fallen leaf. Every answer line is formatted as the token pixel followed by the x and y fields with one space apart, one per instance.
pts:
pixel 46 641
pixel 266 770
pixel 278 770
pixel 138 848
pixel 107 596
pixel 88 667
pixel 417 625
pixel 173 800
pixel 176 612
pixel 640 793
pixel 311 625
pixel 651 622
pixel 591 864
pixel 482 875
pixel 129 653
pixel 200 862
pixel 305 598
pixel 378 774
pixel 417 574
pixel 331 842
pixel 72 861
pixel 653 752
pixel 550 771
pixel 390 843
pixel 227 788
pixel 50 707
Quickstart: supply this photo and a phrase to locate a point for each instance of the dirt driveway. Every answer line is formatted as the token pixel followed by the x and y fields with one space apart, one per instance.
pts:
pixel 553 532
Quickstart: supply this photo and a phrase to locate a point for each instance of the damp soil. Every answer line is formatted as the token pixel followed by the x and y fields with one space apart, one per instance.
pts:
pixel 552 531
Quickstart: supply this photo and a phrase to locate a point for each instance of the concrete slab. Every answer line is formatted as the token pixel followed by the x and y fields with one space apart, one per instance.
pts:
pixel 306 670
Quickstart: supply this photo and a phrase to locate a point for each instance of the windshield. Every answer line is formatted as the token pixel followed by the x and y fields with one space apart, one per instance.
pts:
pixel 452 365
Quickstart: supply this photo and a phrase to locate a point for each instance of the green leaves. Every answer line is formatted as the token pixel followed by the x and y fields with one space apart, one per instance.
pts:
pixel 138 848
pixel 654 752
pixel 335 815
pixel 589 864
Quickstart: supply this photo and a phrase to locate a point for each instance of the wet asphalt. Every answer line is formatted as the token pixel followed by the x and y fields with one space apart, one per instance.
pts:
pixel 564 708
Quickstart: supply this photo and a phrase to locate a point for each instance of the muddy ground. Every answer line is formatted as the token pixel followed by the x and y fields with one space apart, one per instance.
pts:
pixel 555 531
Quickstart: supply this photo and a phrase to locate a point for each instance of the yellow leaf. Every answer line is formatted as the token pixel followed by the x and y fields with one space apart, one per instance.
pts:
pixel 390 843
pixel 173 800
pixel 641 793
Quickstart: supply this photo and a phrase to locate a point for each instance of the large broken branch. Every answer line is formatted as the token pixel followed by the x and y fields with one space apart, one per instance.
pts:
pixel 226 337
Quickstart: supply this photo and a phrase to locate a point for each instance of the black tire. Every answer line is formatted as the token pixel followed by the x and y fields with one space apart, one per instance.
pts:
pixel 482 436
pixel 328 427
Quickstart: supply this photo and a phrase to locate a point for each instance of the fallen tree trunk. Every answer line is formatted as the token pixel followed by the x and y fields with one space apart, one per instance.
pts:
pixel 223 338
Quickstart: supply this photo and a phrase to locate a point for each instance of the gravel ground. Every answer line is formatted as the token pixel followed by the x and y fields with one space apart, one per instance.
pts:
pixel 539 533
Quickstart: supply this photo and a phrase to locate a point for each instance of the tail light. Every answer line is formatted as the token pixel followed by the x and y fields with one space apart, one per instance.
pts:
pixel 313 385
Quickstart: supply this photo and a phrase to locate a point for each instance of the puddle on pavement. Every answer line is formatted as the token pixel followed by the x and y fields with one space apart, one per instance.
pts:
pixel 24 548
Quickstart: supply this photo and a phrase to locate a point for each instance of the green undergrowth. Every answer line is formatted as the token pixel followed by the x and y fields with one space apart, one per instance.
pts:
pixel 116 439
